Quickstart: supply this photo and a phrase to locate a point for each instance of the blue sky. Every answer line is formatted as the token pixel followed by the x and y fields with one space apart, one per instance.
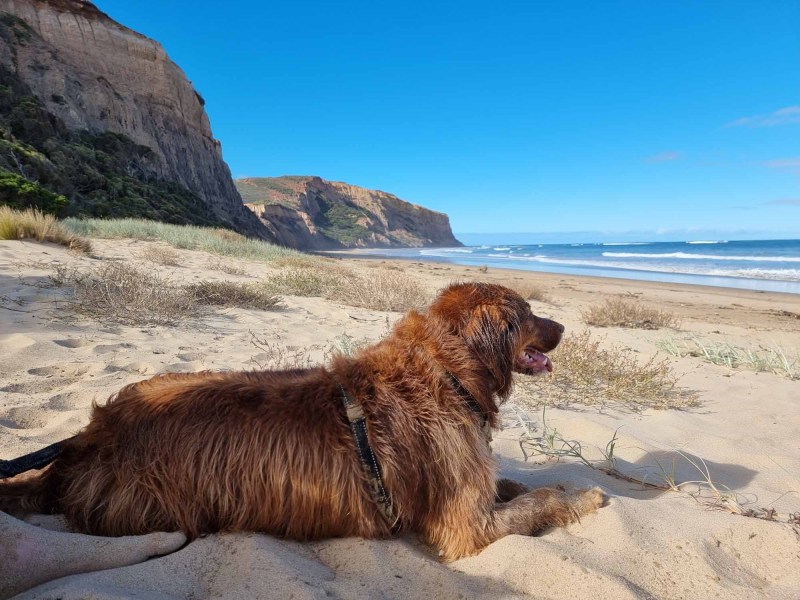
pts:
pixel 666 119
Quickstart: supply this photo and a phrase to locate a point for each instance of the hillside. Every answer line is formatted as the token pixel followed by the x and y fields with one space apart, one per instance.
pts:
pixel 96 120
pixel 311 212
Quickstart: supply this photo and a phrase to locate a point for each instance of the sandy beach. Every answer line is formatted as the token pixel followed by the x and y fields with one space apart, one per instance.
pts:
pixel 647 543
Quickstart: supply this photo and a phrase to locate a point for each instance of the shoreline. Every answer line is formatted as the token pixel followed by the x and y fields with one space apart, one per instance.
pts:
pixel 359 255
pixel 760 284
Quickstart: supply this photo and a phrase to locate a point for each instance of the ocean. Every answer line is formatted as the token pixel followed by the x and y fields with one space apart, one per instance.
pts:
pixel 768 265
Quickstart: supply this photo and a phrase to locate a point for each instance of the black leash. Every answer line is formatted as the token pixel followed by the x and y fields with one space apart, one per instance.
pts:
pixel 34 460
pixel 358 425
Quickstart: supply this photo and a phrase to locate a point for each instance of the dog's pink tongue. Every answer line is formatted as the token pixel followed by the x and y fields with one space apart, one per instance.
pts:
pixel 536 360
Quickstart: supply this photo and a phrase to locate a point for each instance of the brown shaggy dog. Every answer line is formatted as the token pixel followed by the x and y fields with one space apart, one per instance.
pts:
pixel 272 451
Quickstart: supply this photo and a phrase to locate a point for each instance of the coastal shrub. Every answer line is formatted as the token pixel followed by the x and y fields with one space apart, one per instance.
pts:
pixel 18 192
pixel 588 373
pixel 34 224
pixel 123 293
pixel 190 237
pixel 233 294
pixel 615 312
pixel 339 222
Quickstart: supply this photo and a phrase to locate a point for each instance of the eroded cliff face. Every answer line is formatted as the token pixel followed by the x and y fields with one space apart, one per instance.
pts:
pixel 310 212
pixel 94 74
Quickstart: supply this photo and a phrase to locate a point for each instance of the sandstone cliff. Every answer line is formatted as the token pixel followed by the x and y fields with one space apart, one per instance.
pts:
pixel 94 76
pixel 310 212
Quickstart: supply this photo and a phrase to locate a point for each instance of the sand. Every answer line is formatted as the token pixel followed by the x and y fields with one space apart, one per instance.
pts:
pixel 644 544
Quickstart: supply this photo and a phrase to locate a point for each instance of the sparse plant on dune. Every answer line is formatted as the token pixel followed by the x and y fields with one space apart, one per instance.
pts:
pixel 551 444
pixel 531 291
pixel 767 359
pixel 587 373
pixel 382 289
pixel 233 294
pixel 160 255
pixel 119 292
pixel 615 312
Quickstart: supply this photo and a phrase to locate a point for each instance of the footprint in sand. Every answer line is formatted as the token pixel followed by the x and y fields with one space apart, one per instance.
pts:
pixel 187 367
pixel 37 386
pixel 24 417
pixel 70 401
pixel 14 343
pixel 107 348
pixel 74 370
pixel 73 343
pixel 132 367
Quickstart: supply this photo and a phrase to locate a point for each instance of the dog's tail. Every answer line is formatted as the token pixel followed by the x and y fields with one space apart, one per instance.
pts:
pixel 36 493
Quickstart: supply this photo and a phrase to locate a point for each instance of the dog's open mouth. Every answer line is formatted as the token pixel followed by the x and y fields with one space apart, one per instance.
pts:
pixel 532 361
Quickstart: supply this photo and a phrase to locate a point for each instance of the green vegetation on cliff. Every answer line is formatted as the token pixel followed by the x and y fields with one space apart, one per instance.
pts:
pixel 339 222
pixel 79 173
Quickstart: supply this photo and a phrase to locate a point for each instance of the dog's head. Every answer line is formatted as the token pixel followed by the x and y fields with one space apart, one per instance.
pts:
pixel 499 327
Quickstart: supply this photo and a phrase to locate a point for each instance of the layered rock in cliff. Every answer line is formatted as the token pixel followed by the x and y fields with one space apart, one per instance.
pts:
pixel 90 78
pixel 310 212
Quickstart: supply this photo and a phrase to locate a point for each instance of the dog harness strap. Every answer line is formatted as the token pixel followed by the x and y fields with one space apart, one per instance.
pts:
pixel 34 460
pixel 358 425
pixel 470 401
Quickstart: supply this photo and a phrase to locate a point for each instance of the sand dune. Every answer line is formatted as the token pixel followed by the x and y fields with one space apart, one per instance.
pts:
pixel 644 544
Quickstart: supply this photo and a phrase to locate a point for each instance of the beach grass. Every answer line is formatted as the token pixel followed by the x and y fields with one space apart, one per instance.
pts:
pixel 218 241
pixel 35 225
pixel 763 359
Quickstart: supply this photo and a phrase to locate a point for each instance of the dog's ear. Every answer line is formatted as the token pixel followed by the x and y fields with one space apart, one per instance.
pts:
pixel 491 333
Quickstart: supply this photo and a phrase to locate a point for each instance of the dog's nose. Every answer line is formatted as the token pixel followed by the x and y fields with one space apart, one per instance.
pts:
pixel 560 328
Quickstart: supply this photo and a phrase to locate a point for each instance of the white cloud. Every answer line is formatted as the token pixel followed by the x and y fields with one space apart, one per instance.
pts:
pixel 784 202
pixel 782 116
pixel 786 164
pixel 663 157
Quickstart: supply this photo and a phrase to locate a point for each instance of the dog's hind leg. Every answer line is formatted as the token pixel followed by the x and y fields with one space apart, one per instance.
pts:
pixel 28 493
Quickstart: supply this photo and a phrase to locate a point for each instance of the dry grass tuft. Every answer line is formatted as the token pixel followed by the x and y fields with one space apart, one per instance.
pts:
pixel 226 267
pixel 34 224
pixel 378 289
pixel 382 289
pixel 308 281
pixel 531 291
pixel 234 294
pixel 584 373
pixel 161 255
pixel 126 294
pixel 619 313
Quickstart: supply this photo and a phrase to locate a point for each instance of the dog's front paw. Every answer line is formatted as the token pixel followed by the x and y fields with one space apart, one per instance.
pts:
pixel 586 501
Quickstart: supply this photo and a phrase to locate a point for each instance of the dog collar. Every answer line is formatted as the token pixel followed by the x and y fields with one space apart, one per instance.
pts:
pixel 473 405
pixel 358 426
